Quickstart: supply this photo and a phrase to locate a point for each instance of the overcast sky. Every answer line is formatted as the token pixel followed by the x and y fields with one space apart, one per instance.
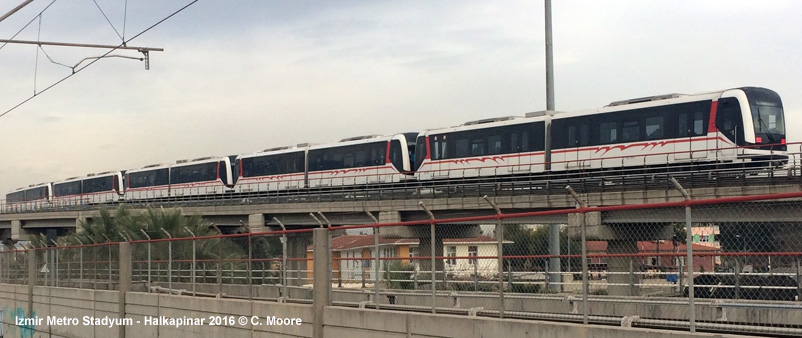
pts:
pixel 241 76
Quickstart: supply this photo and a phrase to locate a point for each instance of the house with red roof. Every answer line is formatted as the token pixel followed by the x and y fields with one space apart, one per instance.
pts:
pixel 353 256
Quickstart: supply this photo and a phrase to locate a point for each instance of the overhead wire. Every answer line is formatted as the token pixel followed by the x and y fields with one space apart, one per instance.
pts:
pixel 28 24
pixel 76 71
pixel 107 20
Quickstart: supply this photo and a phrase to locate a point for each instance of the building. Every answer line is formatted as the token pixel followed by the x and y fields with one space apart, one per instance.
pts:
pixel 353 256
pixel 665 255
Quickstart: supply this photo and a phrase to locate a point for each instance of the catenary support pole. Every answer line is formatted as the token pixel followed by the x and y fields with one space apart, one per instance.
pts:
pixel 432 254
pixel 499 253
pixel 583 234
pixel 689 259
pixel 169 261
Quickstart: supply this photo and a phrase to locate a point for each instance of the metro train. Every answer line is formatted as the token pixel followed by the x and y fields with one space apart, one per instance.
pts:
pixel 741 126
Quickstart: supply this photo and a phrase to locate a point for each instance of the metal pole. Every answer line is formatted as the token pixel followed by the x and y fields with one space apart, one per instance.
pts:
pixel 499 254
pixel 219 260
pixel 583 232
pixel 549 59
pixel 55 265
pixel 328 225
pixel 169 261
pixel 376 246
pixel 631 278
pixel 798 284
pixel 149 260
pixel 689 260
pixel 250 259
pixel 283 258
pixel 432 254
pixel 80 264
pixel 193 260
pixel 109 245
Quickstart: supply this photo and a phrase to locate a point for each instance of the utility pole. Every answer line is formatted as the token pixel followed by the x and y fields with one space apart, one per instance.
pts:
pixel 555 278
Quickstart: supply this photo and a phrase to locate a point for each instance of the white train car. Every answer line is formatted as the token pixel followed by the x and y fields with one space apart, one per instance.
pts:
pixel 745 126
pixel 67 192
pixel 200 177
pixel 148 182
pixel 271 170
pixel 34 197
pixel 105 187
pixel 360 160
pixel 737 125
pixel 491 147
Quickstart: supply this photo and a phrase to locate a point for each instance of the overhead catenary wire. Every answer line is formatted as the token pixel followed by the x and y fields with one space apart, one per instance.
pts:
pixel 76 71
pixel 29 23
pixel 109 21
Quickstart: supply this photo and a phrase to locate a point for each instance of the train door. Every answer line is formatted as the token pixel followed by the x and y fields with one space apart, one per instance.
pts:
pixel 728 123
pixel 439 168
pixel 692 146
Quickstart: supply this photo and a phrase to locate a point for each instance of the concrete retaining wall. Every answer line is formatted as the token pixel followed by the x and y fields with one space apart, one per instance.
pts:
pixel 355 323
pixel 337 321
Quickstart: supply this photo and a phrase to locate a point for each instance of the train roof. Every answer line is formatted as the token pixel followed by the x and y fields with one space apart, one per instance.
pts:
pixel 275 151
pixel 359 140
pixel 149 167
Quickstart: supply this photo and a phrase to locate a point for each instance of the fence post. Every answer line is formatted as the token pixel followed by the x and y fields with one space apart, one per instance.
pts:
pixel 689 260
pixel 499 254
pixel 377 263
pixel 148 237
pixel 80 264
pixel 31 278
pixel 124 280
pixel 283 260
pixel 737 278
pixel 798 281
pixel 193 258
pixel 219 260
pixel 376 246
pixel 583 232
pixel 631 278
pixel 322 282
pixel 547 276
pixel 432 255
pixel 55 265
pixel 169 262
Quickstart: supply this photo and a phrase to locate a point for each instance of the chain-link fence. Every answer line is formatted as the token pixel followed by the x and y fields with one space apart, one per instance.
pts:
pixel 726 264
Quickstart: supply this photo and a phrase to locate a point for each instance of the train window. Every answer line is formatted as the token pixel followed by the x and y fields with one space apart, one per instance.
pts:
pixel 194 173
pixel 36 194
pixel 65 189
pixel 439 147
pixel 728 119
pixel 461 148
pixel 494 145
pixel 477 147
pixel 682 125
pixel 18 196
pixel 608 132
pixel 630 131
pixel 654 127
pixel 698 123
pixel 99 184
pixel 148 178
pixel 397 155
pixel 519 141
pixel 420 151
pixel 361 158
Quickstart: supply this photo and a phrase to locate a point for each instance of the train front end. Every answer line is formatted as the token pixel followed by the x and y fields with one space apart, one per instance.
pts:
pixel 754 120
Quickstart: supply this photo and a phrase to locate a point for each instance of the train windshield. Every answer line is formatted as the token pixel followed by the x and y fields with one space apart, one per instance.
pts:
pixel 767 115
